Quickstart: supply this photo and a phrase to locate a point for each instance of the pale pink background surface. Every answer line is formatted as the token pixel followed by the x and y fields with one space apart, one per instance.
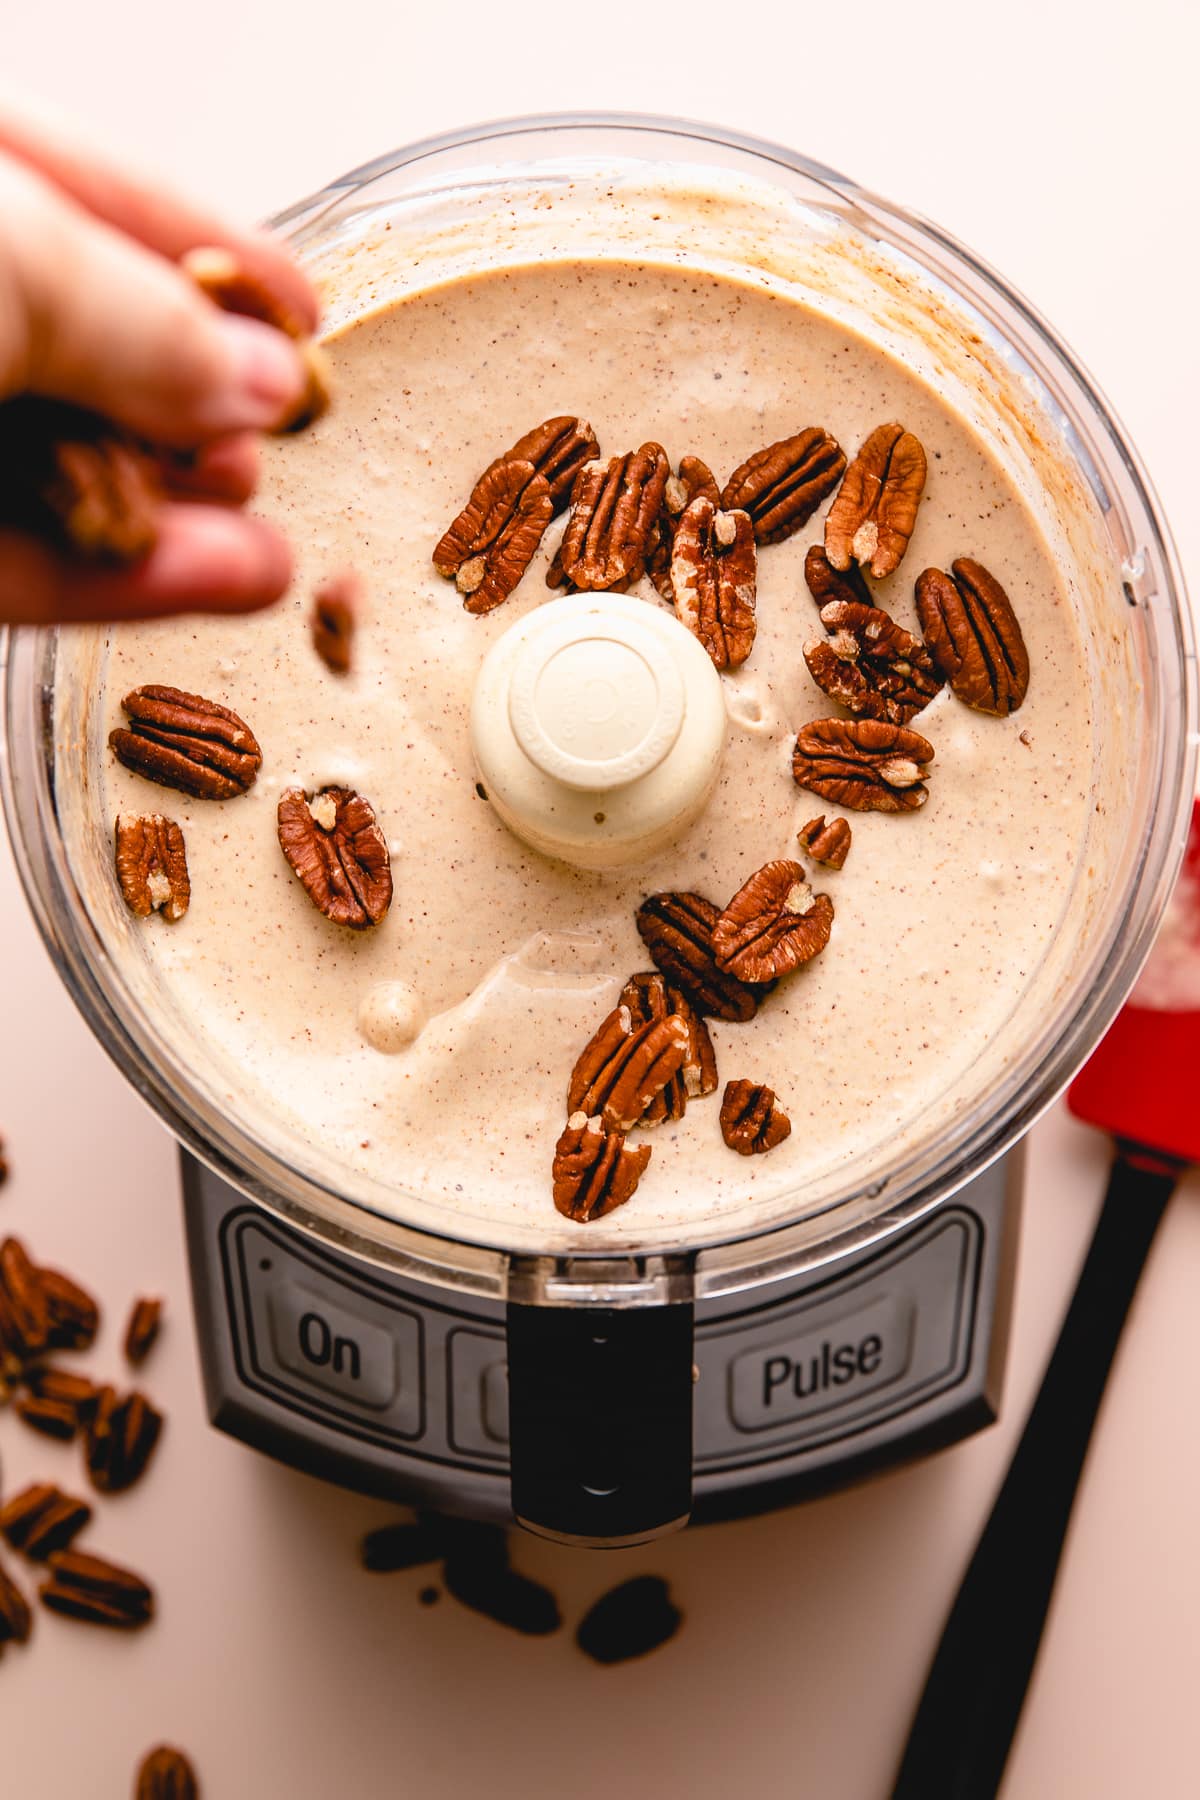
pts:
pixel 1067 160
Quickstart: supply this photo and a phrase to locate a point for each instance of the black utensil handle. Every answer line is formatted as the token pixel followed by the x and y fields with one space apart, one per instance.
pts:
pixel 968 1713
pixel 600 1420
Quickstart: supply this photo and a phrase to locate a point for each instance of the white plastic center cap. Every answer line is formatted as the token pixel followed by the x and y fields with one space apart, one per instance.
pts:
pixel 596 700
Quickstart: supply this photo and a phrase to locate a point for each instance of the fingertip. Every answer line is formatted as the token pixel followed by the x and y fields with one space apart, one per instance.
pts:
pixel 225 470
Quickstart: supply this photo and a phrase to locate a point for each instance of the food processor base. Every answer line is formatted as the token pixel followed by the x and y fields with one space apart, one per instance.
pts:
pixel 398 1388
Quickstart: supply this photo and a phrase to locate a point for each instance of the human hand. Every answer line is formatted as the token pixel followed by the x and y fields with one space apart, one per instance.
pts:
pixel 94 311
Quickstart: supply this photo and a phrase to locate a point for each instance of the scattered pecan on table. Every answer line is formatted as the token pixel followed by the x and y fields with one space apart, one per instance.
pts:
pixel 594 1170
pixel 183 741
pixel 714 580
pixel 42 1519
pixel 782 486
pixel 152 865
pixel 334 619
pixel 752 1121
pixel 78 481
pixel 236 289
pixel 864 765
pixel 870 665
pixel 615 509
pixel 141 1333
pixel 335 846
pixel 873 516
pixel 91 1588
pixel 166 1774
pixel 691 480
pixel 490 545
pixel 650 996
pixel 974 636
pixel 121 1436
pixel 826 843
pixel 626 1066
pixel 53 1418
pixel 773 924
pixel 16 1620
pixel 677 929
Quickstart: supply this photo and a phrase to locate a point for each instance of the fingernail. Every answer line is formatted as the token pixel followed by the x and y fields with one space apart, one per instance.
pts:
pixel 266 376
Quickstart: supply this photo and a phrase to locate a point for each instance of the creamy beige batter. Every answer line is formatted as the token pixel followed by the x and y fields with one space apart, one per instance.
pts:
pixel 504 963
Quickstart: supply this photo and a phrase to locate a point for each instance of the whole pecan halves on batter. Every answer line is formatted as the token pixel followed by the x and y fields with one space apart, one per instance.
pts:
pixel 691 479
pixel 183 741
pixel 626 1066
pixel 558 448
pixel 336 848
pixel 782 486
pixel 615 506
pixel 152 865
pixel 490 545
pixel 865 765
pixel 873 516
pixel 827 843
pixel 594 1169
pixel 825 583
pixel 752 1120
pixel 773 924
pixel 677 930
pixel 648 996
pixel 870 664
pixel 975 636
pixel 714 578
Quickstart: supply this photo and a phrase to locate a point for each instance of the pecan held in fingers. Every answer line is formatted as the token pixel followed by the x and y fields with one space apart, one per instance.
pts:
pixel 78 481
pixel 752 1121
pixel 626 1066
pixel 714 579
pixel 873 516
pixel 615 506
pixel 490 545
pixel 594 1170
pixel 864 765
pixel 692 479
pixel 773 924
pixel 152 865
pixel 183 741
pixel 336 848
pixel 826 843
pixel 677 929
pixel 975 636
pixel 225 281
pixel 870 664
pixel 782 486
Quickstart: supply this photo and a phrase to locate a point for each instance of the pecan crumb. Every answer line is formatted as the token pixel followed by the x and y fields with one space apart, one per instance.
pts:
pixel 826 844
pixel 752 1121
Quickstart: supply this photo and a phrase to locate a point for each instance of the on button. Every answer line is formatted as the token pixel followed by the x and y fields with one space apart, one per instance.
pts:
pixel 330 1348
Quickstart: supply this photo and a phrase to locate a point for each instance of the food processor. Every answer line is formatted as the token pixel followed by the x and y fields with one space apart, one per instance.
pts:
pixel 603 1389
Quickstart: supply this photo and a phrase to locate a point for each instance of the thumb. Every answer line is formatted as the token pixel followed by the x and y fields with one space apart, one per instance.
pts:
pixel 88 315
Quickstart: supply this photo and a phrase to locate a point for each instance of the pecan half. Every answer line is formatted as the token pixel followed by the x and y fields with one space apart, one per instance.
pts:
pixel 649 996
pixel 337 849
pixel 870 664
pixel 558 449
pixel 76 479
pixel 152 865
pixel 865 765
pixel 975 636
pixel 773 924
pixel 121 1438
pixel 625 1067
pixel 142 1330
pixel 74 1315
pixel 594 1171
pixel 91 1588
pixel 873 516
pixel 827 844
pixel 53 1418
pixel 3 1163
pixel 64 1387
pixel 334 618
pixel 782 486
pixel 236 289
pixel 490 545
pixel 825 583
pixel 166 1774
pixel 752 1121
pixel 677 930
pixel 25 1313
pixel 714 577
pixel 692 479
pixel 182 741
pixel 614 509
pixel 16 1620
pixel 42 1519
